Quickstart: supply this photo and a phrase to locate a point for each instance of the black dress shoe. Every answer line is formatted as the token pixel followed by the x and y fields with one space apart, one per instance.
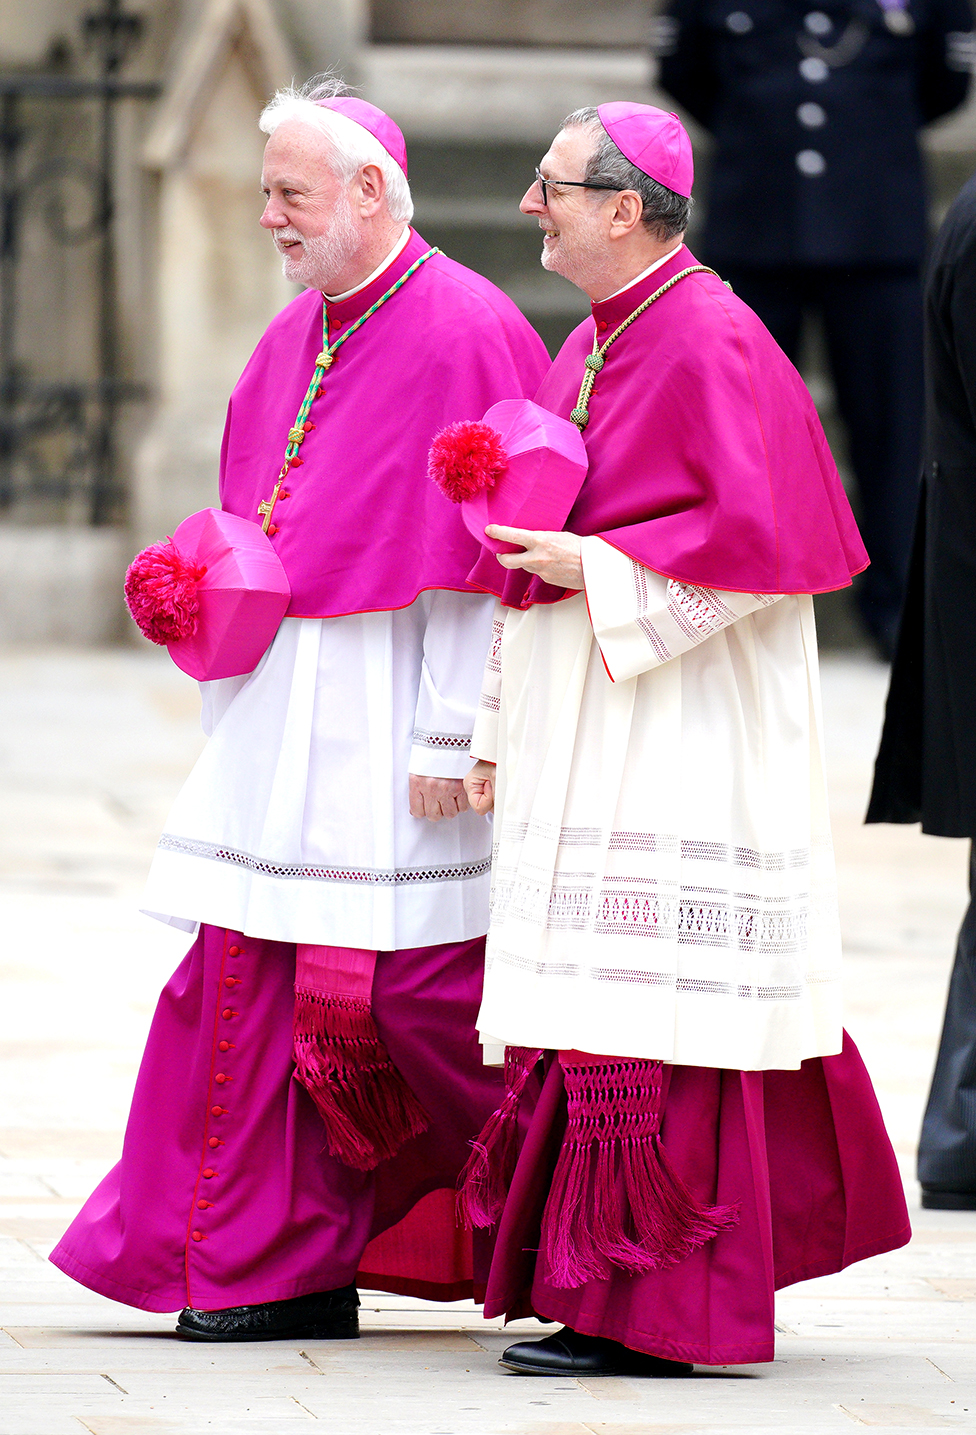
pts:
pixel 948 1200
pixel 329 1315
pixel 568 1353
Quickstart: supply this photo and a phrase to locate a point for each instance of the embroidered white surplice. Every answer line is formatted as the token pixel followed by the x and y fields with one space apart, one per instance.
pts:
pixel 294 824
pixel 663 881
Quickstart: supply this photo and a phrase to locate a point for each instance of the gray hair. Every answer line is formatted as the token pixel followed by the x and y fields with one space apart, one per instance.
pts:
pixel 666 214
pixel 352 146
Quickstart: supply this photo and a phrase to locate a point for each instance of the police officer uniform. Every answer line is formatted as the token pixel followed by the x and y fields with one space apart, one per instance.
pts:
pixel 818 200
pixel 925 770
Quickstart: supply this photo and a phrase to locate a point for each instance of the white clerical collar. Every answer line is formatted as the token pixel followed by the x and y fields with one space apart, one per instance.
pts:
pixel 645 272
pixel 397 249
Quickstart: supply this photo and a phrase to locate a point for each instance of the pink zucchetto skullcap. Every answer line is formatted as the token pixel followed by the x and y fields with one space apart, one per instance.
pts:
pixel 653 140
pixel 379 124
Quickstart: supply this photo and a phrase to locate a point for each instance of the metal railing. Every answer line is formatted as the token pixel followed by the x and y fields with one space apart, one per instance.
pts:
pixel 58 436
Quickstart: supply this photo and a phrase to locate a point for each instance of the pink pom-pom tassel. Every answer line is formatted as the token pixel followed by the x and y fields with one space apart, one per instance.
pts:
pixel 161 592
pixel 466 458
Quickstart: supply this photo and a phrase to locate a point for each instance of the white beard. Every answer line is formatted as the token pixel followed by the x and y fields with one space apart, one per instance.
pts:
pixel 324 256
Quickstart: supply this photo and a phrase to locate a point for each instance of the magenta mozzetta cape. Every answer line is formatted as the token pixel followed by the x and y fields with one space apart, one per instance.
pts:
pixel 707 461
pixel 363 527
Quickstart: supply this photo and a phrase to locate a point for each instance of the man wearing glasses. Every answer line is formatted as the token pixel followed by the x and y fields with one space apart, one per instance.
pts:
pixel 664 945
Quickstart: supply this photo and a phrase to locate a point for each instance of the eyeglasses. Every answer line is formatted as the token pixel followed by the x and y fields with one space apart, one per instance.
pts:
pixel 569 183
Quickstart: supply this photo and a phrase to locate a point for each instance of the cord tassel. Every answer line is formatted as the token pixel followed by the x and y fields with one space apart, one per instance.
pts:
pixel 487 1175
pixel 615 1201
pixel 368 1109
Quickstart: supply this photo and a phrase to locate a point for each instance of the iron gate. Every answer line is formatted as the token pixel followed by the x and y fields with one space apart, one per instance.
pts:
pixel 58 284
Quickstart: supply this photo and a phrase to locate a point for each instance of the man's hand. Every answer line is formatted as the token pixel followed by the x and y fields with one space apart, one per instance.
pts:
pixel 436 797
pixel 480 787
pixel 555 557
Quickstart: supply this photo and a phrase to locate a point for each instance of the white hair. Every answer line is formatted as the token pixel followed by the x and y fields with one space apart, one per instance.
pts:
pixel 352 145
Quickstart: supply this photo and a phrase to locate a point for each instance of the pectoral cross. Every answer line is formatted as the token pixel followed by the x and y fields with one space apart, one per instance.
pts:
pixel 267 505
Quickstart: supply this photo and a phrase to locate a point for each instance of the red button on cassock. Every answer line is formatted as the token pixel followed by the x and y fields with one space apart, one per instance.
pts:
pixel 209 1171
pixel 227 1013
pixel 232 981
pixel 223 1046
pixel 217 1111
pixel 236 951
pixel 220 1078
pixel 602 325
pixel 197 1235
pixel 214 1142
pixel 203 1205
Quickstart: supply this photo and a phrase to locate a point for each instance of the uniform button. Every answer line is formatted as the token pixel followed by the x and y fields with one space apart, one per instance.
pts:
pixel 813 69
pixel 227 1013
pixel 203 1205
pixel 810 162
pixel 811 116
pixel 197 1235
pixel 223 1046
pixel 236 951
pixel 213 1143
pixel 208 1172
pixel 220 1078
pixel 817 23
pixel 739 22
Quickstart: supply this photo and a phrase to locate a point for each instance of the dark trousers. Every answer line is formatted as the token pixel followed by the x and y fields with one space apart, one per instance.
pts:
pixel 947 1148
pixel 872 320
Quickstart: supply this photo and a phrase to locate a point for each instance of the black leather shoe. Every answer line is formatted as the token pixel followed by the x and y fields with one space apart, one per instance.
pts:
pixel 329 1315
pixel 567 1353
pixel 948 1200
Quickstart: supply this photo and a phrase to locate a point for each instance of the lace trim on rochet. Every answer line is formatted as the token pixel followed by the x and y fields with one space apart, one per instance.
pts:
pixel 493 663
pixel 669 843
pixel 696 612
pixel 710 900
pixel 456 740
pixel 739 923
pixel 307 872
pixel 690 986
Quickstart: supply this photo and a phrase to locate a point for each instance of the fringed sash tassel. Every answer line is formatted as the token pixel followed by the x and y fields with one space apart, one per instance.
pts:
pixel 615 1202
pixel 487 1175
pixel 368 1109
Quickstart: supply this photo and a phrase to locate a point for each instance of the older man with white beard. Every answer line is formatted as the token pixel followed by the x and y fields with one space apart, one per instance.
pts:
pixel 312 1077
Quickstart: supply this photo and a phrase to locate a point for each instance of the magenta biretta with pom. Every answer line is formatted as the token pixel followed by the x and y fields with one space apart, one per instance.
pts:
pixel 522 466
pixel 214 593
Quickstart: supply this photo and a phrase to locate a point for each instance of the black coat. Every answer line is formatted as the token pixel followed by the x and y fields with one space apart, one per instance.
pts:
pixel 926 767
pixel 812 170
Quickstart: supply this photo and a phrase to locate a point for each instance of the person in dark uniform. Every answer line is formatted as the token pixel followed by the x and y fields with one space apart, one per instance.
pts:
pixel 926 770
pixel 818 201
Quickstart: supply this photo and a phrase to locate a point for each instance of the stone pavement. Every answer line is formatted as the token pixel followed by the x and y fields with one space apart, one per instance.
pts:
pixel 92 747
